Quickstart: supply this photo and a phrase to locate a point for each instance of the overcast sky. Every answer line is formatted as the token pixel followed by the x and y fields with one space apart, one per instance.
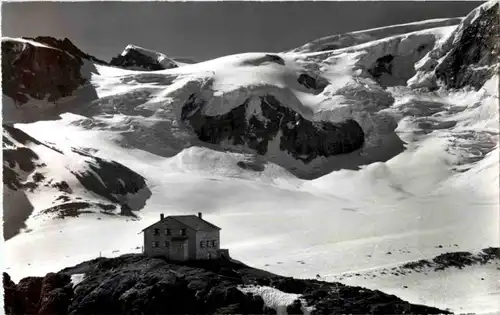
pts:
pixel 204 30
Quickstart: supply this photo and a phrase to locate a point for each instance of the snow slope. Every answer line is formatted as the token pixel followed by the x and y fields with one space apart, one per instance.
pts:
pixel 427 174
pixel 356 38
pixel 42 181
pixel 468 284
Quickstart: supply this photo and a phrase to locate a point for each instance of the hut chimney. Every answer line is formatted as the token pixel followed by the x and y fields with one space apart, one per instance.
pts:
pixel 199 215
pixel 161 216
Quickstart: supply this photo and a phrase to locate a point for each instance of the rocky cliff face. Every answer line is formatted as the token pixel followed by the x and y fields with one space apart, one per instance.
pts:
pixel 43 77
pixel 135 284
pixel 469 57
pixel 42 68
pixel 469 61
pixel 65 45
pixel 29 167
pixel 138 58
pixel 38 72
pixel 263 119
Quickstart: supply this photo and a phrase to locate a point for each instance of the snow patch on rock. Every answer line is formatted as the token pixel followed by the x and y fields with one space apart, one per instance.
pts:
pixel 276 299
pixel 77 278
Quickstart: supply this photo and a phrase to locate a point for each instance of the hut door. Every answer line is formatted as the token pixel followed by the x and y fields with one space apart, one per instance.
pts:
pixel 168 249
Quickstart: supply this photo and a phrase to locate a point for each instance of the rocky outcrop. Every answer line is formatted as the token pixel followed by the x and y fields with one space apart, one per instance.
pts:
pixel 67 46
pixel 468 57
pixel 41 296
pixel 30 71
pixel 263 119
pixel 469 61
pixel 453 262
pixel 456 260
pixel 11 301
pixel 41 68
pixel 382 65
pixel 312 83
pixel 136 284
pixel 26 172
pixel 138 58
pixel 18 159
pixel 114 181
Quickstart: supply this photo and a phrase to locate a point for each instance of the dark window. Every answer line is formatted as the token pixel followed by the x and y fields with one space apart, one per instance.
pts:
pixel 214 243
pixel 167 244
pixel 183 231
pixel 168 231
pixel 202 243
pixel 156 232
pixel 208 244
pixel 156 244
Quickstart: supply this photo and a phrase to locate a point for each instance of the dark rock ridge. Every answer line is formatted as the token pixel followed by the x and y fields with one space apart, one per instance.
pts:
pixel 456 259
pixel 470 56
pixel 17 155
pixel 469 61
pixel 105 178
pixel 74 209
pixel 137 58
pixel 67 46
pixel 24 170
pixel 135 284
pixel 114 181
pixel 487 257
pixel 16 206
pixel 303 139
pixel 30 71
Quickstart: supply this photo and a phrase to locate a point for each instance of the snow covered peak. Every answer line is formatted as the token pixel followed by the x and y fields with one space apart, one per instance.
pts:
pixel 344 40
pixel 138 58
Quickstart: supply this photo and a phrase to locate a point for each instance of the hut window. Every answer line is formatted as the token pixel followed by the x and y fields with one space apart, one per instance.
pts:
pixel 167 244
pixel 183 231
pixel 156 232
pixel 214 243
pixel 202 244
pixel 168 231
pixel 156 244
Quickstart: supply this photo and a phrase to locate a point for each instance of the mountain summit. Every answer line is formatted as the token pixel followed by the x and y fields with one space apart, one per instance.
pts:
pixel 138 58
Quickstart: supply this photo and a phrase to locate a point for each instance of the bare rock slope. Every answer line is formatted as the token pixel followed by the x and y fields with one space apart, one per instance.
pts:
pixel 134 284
